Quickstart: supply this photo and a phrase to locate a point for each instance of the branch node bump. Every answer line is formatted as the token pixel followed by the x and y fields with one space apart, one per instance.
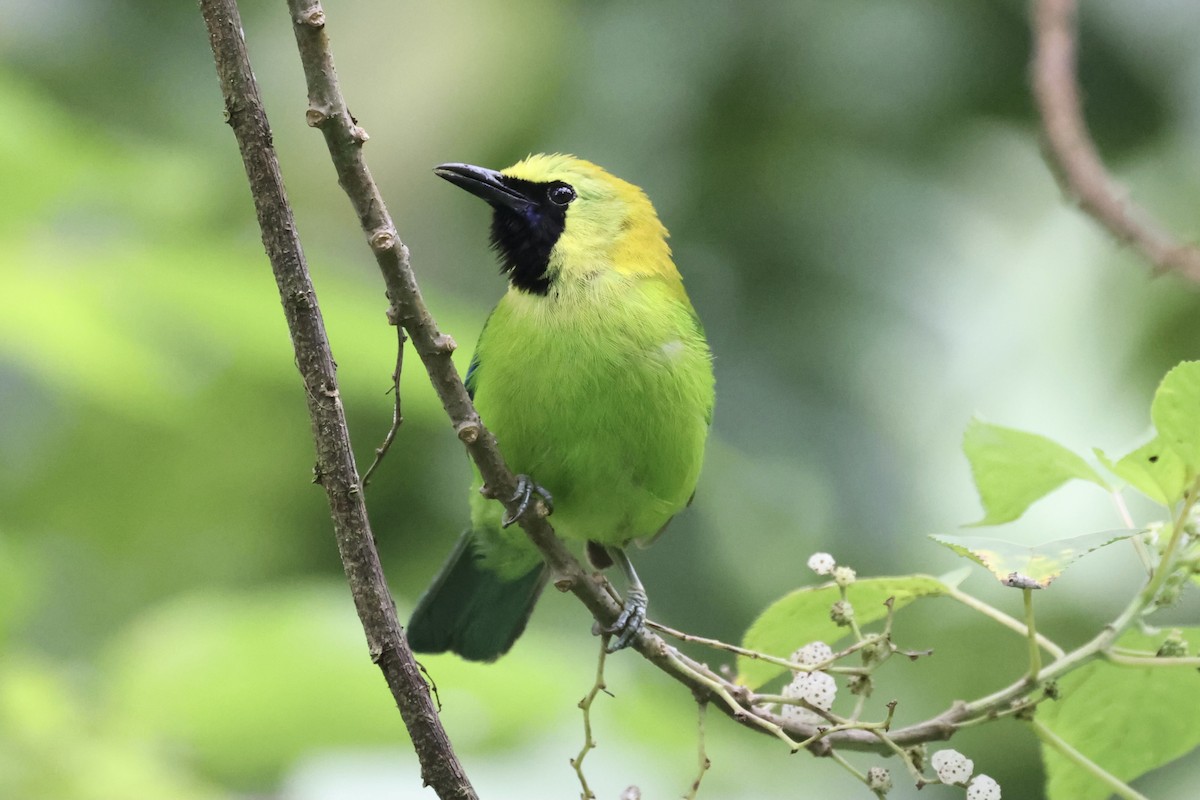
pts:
pixel 358 134
pixel 445 343
pixel 383 239
pixel 314 17
pixel 315 117
pixel 468 431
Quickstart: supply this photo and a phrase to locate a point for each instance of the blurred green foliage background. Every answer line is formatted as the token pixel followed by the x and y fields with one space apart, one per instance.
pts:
pixel 858 205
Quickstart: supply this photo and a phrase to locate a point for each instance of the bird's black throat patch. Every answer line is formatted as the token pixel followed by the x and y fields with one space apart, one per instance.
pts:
pixel 524 238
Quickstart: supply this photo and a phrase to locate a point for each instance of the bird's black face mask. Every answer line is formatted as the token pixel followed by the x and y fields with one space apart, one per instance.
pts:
pixel 528 219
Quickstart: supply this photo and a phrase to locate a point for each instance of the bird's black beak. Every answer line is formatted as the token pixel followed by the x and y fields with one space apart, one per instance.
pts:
pixel 484 183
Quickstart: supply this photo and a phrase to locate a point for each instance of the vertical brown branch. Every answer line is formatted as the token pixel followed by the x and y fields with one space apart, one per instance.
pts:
pixel 335 468
pixel 1072 154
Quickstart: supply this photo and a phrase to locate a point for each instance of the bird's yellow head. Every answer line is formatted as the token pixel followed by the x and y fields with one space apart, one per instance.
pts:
pixel 560 218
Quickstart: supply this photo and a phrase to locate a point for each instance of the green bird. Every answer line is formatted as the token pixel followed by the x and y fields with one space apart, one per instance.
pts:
pixel 595 376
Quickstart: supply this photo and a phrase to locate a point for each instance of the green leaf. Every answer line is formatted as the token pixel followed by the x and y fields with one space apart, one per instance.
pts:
pixel 1024 567
pixel 802 616
pixel 1165 467
pixel 1176 414
pixel 1014 469
pixel 1153 469
pixel 1129 720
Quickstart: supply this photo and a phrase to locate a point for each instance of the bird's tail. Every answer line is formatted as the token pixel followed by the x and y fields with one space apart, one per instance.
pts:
pixel 470 610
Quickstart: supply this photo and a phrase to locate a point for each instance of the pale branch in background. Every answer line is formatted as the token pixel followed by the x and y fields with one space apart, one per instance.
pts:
pixel 335 469
pixel 1072 154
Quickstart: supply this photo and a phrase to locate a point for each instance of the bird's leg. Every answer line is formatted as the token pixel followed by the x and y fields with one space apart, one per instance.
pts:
pixel 526 488
pixel 633 611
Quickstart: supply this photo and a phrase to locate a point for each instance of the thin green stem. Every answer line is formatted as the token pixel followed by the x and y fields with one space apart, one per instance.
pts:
pixel 1101 641
pixel 1139 546
pixel 851 621
pixel 999 616
pixel 1126 660
pixel 860 703
pixel 717 687
pixel 1035 653
pixel 704 762
pixel 1064 749
pixel 853 770
pixel 917 777
pixel 1011 711
pixel 828 665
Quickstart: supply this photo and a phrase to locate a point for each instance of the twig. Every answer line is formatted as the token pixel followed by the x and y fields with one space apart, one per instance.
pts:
pixel 585 705
pixel 856 772
pixel 716 644
pixel 1072 155
pixel 1126 660
pixel 335 468
pixel 1035 653
pixel 702 757
pixel 397 415
pixel 1004 619
pixel 913 770
pixel 1114 783
pixel 1138 546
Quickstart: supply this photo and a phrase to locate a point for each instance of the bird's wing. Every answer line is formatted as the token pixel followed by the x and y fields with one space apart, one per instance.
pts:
pixel 472 374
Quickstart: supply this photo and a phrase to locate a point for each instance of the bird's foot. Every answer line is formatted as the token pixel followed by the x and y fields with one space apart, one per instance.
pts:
pixel 526 489
pixel 631 621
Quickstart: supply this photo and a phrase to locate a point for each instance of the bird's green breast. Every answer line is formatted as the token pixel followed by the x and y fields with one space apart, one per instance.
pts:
pixel 602 393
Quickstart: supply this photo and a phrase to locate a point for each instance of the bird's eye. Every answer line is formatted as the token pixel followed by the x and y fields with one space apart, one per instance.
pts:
pixel 560 194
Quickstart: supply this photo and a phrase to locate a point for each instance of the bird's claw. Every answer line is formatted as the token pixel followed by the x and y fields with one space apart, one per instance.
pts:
pixel 526 489
pixel 630 623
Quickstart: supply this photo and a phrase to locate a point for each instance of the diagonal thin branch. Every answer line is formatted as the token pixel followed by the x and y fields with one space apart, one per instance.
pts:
pixel 335 468
pixel 344 137
pixel 327 111
pixel 1072 154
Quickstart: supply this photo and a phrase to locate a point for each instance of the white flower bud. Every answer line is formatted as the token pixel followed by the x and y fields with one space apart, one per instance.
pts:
pixel 812 654
pixel 879 780
pixel 842 613
pixel 818 688
pixel 983 788
pixel 798 715
pixel 952 766
pixel 844 576
pixel 821 563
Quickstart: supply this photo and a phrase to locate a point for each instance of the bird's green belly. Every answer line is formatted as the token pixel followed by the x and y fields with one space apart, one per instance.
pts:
pixel 615 433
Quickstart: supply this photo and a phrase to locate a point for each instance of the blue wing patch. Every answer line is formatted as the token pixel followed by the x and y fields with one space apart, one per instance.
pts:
pixel 472 375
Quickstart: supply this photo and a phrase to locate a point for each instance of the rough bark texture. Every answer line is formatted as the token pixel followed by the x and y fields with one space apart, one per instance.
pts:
pixel 335 467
